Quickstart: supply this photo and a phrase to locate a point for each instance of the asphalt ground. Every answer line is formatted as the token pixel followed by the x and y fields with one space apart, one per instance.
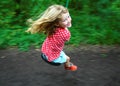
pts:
pixel 97 66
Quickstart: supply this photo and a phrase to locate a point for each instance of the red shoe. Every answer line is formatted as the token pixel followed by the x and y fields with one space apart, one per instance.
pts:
pixel 72 68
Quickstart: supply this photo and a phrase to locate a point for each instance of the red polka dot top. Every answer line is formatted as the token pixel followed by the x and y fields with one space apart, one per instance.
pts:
pixel 53 45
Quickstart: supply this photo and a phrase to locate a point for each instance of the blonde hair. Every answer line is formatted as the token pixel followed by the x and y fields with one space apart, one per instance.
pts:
pixel 47 22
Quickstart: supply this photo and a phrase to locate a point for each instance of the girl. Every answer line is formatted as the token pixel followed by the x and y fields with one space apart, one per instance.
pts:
pixel 54 22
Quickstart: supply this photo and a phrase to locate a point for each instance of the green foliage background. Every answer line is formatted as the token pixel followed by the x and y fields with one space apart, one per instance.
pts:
pixel 94 22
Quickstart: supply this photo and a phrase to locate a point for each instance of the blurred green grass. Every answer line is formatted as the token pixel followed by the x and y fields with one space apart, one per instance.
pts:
pixel 92 23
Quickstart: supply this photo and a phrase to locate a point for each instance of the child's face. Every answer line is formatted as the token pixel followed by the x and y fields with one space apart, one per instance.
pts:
pixel 65 20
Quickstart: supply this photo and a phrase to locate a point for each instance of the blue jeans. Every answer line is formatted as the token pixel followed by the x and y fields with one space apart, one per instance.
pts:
pixel 61 59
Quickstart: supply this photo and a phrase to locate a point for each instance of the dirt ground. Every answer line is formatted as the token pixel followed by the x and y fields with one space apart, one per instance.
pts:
pixel 97 66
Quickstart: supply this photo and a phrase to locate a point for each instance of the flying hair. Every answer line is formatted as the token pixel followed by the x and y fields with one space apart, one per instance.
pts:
pixel 48 21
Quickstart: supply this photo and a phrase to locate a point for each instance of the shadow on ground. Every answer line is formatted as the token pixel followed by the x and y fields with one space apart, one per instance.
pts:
pixel 97 66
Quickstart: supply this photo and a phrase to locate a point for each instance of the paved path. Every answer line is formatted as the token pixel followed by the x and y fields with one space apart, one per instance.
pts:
pixel 97 66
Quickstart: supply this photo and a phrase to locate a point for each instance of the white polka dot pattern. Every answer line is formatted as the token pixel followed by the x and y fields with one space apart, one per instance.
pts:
pixel 54 44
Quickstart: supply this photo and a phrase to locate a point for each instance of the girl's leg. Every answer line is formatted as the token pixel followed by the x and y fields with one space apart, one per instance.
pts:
pixel 69 66
pixel 67 62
